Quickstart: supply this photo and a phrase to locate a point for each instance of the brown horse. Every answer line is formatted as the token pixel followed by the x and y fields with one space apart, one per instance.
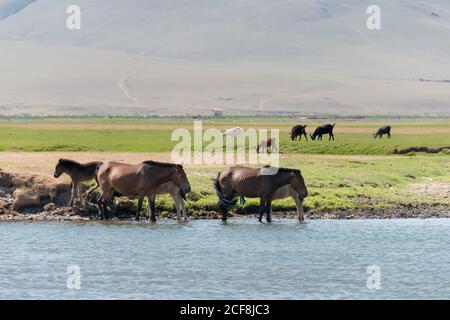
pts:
pixel 174 190
pixel 289 191
pixel 141 180
pixel 256 183
pixel 78 172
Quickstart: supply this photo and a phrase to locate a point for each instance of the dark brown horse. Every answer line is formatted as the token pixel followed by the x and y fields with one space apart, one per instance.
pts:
pixel 141 180
pixel 78 172
pixel 256 183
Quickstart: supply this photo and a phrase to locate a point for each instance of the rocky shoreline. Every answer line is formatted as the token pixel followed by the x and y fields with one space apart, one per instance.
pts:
pixel 35 198
pixel 69 214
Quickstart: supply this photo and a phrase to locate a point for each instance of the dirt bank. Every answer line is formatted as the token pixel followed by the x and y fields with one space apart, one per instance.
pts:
pixel 25 197
pixel 445 149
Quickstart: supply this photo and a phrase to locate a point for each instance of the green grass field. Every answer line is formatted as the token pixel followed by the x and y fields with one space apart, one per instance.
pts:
pixel 352 173
pixel 151 136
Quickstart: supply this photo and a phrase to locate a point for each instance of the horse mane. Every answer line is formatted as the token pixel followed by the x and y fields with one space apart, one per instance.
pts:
pixel 162 164
pixel 296 171
pixel 68 162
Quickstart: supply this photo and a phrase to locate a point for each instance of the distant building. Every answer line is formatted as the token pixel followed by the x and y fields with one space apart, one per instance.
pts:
pixel 217 112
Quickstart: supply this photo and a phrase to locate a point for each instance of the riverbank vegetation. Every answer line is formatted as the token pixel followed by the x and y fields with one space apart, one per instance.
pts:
pixel 353 176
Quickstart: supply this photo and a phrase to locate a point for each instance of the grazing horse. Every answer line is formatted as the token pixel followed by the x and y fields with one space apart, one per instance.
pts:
pixel 256 183
pixel 141 180
pixel 266 144
pixel 382 131
pixel 298 131
pixel 321 130
pixel 78 172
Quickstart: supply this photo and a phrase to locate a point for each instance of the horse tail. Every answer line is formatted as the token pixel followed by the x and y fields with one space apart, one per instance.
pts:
pixel 218 188
pixel 97 167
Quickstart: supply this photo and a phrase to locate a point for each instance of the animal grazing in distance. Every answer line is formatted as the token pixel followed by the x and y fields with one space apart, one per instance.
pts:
pixel 298 131
pixel 321 130
pixel 266 144
pixel 382 131
pixel 233 132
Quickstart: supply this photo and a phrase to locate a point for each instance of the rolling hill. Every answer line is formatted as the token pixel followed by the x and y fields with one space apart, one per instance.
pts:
pixel 246 56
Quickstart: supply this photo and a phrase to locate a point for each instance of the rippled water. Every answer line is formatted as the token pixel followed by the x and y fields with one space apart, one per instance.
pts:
pixel 241 259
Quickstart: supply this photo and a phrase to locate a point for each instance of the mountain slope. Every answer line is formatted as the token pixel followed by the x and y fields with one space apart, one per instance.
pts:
pixel 157 56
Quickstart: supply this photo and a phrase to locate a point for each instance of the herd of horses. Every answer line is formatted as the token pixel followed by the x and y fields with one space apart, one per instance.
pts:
pixel 151 178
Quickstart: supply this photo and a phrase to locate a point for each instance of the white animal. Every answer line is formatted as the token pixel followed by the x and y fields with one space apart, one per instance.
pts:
pixel 234 132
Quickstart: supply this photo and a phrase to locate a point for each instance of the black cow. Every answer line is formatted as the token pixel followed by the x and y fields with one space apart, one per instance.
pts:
pixel 298 131
pixel 325 129
pixel 382 131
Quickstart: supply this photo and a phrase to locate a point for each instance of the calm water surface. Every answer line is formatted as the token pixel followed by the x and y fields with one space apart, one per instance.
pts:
pixel 206 259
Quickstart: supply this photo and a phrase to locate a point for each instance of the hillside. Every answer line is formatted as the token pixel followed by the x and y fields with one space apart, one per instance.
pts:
pixel 247 56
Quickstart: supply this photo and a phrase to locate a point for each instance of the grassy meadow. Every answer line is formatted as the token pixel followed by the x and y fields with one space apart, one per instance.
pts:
pixel 354 173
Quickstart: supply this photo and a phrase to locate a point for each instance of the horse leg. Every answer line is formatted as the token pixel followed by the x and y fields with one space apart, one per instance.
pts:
pixel 183 208
pixel 100 208
pixel 73 192
pixel 152 205
pixel 262 206
pixel 151 198
pixel 105 211
pixel 102 205
pixel 299 206
pixel 139 207
pixel 268 211
pixel 179 203
pixel 176 199
pixel 88 193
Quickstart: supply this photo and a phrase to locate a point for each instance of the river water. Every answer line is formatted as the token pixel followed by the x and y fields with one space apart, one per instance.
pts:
pixel 242 259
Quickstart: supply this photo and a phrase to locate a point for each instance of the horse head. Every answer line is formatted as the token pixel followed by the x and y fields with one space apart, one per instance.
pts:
pixel 59 170
pixel 180 179
pixel 298 184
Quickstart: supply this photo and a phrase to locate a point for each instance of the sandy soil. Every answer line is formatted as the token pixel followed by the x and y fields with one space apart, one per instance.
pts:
pixel 43 163
pixel 430 188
